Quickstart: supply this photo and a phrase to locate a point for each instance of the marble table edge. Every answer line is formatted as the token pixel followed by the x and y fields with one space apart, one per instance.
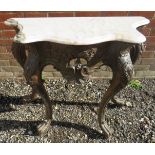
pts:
pixel 20 36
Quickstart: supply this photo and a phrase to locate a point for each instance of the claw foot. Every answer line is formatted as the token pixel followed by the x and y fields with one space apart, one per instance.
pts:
pixel 42 129
pixel 106 130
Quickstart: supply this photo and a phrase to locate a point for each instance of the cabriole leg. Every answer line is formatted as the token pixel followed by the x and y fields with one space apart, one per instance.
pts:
pixel 122 74
pixel 32 71
pixel 19 53
pixel 43 128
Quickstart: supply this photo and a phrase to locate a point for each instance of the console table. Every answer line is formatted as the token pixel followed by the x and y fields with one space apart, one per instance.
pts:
pixel 79 43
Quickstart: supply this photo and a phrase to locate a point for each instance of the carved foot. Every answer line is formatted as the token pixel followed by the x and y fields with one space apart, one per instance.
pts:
pixel 42 129
pixel 107 132
pixel 118 101
pixel 34 97
pixel 31 97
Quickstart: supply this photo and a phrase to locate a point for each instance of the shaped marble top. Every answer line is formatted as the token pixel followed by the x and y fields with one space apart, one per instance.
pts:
pixel 78 30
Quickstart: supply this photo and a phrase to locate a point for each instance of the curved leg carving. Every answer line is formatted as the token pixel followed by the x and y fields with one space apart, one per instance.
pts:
pixel 19 53
pixel 135 51
pixel 43 128
pixel 122 74
pixel 117 101
pixel 32 71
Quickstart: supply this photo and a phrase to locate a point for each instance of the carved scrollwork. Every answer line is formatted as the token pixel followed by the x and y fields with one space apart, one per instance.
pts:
pixel 79 67
pixel 125 67
pixel 80 61
pixel 79 64
pixel 88 54
pixel 20 36
pixel 135 51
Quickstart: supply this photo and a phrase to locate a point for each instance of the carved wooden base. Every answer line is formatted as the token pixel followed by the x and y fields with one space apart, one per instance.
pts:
pixel 77 62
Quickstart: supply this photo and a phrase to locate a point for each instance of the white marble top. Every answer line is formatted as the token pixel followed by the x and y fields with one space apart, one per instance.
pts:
pixel 79 30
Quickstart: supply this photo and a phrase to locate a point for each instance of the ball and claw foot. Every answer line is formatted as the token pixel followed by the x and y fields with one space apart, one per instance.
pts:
pixel 43 128
pixel 106 131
